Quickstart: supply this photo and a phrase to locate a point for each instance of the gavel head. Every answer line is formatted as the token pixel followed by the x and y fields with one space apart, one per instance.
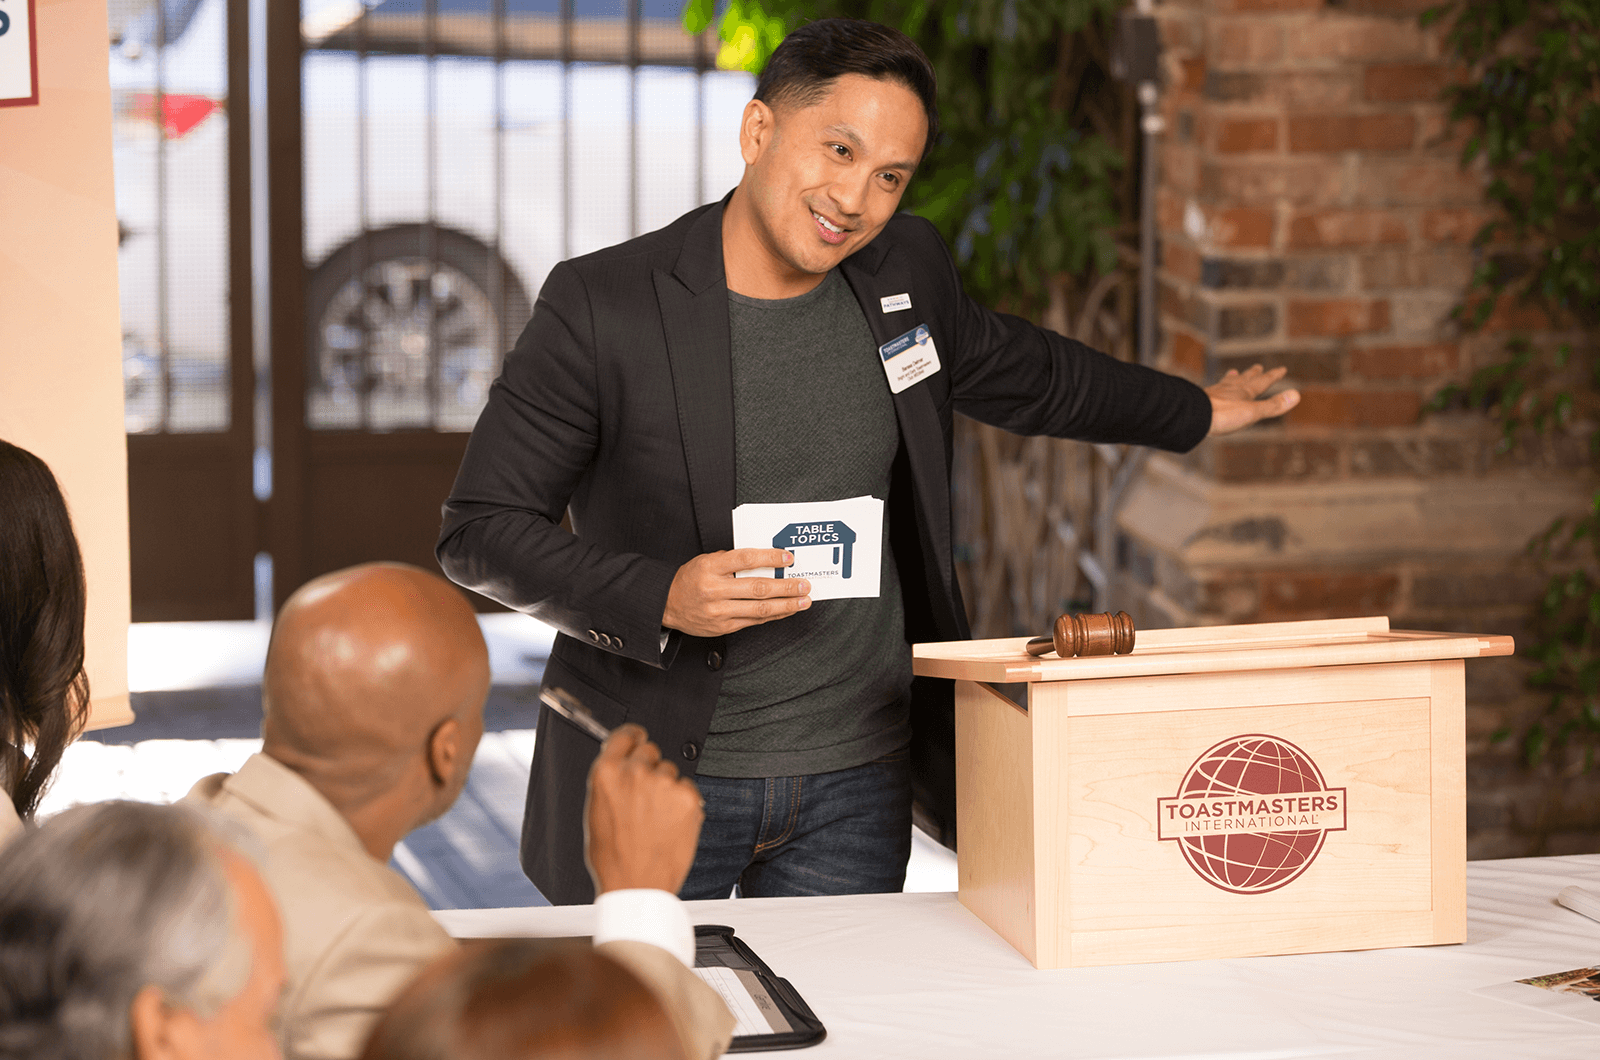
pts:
pixel 1102 634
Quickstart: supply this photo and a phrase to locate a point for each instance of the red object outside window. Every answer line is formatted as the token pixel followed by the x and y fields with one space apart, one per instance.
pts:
pixel 180 113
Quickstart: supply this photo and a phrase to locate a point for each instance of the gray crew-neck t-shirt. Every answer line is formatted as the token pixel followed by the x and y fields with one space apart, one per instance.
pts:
pixel 828 687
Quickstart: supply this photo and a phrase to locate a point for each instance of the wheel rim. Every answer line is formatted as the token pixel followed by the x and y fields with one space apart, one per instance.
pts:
pixel 408 344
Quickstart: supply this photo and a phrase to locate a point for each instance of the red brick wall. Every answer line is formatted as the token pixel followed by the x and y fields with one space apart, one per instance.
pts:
pixel 1313 214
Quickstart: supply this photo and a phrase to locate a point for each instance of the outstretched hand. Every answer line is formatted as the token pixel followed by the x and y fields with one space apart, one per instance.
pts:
pixel 641 822
pixel 1236 400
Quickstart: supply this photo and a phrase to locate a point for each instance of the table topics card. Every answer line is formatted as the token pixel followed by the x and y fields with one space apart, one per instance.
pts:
pixel 838 545
pixel 19 74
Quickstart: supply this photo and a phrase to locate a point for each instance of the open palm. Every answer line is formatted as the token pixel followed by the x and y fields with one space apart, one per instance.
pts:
pixel 1236 400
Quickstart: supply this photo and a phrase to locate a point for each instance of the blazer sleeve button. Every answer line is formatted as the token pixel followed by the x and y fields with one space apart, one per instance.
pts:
pixel 594 636
pixel 605 639
pixel 691 750
pixel 713 660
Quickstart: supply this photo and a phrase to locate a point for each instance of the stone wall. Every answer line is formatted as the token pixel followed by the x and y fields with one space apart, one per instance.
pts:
pixel 1313 214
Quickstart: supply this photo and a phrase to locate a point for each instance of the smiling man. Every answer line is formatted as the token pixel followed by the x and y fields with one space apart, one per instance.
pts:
pixel 798 344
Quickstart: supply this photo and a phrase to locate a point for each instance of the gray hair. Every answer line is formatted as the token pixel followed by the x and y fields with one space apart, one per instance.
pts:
pixel 102 901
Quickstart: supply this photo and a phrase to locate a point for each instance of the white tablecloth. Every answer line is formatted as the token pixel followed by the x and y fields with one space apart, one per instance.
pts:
pixel 917 976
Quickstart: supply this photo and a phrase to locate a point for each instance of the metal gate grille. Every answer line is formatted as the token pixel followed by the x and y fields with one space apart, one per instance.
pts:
pixel 455 150
pixel 169 82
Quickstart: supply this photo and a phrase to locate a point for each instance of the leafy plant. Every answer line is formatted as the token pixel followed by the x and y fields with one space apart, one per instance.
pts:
pixel 1532 103
pixel 1025 183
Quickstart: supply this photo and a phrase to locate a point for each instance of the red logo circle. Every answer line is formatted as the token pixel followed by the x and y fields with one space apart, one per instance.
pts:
pixel 1248 771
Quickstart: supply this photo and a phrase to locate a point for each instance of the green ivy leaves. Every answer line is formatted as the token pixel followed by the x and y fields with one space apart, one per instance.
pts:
pixel 1532 103
pixel 1036 203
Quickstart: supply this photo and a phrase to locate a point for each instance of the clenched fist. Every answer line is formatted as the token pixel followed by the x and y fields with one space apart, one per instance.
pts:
pixel 642 819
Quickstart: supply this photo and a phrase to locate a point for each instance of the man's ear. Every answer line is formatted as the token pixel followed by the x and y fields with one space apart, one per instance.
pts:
pixel 160 1031
pixel 444 751
pixel 755 131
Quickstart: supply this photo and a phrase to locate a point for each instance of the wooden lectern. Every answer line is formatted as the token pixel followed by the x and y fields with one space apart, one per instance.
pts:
pixel 1223 791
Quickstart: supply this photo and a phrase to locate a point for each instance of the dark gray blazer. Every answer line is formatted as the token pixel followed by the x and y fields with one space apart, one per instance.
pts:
pixel 616 405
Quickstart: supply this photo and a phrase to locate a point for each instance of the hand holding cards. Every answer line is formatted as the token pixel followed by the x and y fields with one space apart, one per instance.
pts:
pixel 785 556
pixel 706 598
pixel 837 545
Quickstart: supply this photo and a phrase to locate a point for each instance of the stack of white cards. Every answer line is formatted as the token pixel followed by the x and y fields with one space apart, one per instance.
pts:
pixel 837 545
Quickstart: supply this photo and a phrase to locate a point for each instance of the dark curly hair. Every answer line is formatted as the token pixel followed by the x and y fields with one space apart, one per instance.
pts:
pixel 44 692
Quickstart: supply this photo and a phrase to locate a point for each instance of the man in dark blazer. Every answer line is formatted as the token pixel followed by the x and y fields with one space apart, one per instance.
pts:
pixel 630 402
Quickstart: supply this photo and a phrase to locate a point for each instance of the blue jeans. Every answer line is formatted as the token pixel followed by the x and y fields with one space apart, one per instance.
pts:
pixel 847 832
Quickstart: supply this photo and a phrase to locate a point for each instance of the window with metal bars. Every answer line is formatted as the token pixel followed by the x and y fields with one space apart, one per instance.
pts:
pixel 169 76
pixel 455 150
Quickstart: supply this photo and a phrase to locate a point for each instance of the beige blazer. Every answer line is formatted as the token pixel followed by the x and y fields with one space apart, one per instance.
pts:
pixel 355 932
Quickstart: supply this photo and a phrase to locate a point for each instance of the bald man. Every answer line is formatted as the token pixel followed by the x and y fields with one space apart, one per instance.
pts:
pixel 373 697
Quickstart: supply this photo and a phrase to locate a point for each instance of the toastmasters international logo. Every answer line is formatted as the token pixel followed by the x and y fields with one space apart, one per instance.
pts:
pixel 1251 814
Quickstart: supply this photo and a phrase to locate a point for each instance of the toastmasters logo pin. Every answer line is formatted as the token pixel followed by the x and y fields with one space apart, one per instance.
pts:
pixel 1251 814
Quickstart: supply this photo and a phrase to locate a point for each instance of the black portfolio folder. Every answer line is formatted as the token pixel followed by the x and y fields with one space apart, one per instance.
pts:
pixel 793 1024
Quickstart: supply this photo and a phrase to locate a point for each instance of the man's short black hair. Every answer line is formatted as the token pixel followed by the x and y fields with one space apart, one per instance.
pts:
pixel 802 70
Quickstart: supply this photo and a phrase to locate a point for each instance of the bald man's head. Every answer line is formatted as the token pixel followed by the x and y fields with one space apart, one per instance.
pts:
pixel 370 671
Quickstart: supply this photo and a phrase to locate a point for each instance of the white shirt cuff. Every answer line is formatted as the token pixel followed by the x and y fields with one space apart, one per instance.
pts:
pixel 645 915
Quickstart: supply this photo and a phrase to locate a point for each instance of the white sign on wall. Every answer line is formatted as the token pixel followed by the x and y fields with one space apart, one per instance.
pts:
pixel 19 53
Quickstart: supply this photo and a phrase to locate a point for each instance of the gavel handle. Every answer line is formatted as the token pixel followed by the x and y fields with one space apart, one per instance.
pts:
pixel 1041 645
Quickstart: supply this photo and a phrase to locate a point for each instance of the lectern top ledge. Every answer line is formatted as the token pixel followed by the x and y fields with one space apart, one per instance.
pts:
pixel 1208 649
pixel 1221 791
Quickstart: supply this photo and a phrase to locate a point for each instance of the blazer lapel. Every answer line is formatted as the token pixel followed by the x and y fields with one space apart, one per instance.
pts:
pixel 694 313
pixel 875 272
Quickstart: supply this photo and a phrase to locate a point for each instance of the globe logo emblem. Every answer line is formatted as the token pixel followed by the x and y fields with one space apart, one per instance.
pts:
pixel 1251 814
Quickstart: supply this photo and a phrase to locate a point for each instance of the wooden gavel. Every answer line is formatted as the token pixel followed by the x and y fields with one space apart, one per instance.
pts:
pixel 1102 634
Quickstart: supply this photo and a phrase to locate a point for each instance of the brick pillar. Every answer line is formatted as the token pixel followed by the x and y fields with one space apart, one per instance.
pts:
pixel 1313 214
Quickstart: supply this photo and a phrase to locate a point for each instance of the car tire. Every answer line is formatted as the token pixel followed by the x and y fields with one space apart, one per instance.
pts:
pixel 403 330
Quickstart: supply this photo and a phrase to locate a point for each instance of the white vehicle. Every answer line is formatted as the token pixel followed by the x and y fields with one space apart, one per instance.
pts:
pixel 171 155
pixel 438 194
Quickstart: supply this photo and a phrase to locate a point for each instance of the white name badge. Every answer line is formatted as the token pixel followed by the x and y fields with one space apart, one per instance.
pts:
pixel 909 358
pixel 838 545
